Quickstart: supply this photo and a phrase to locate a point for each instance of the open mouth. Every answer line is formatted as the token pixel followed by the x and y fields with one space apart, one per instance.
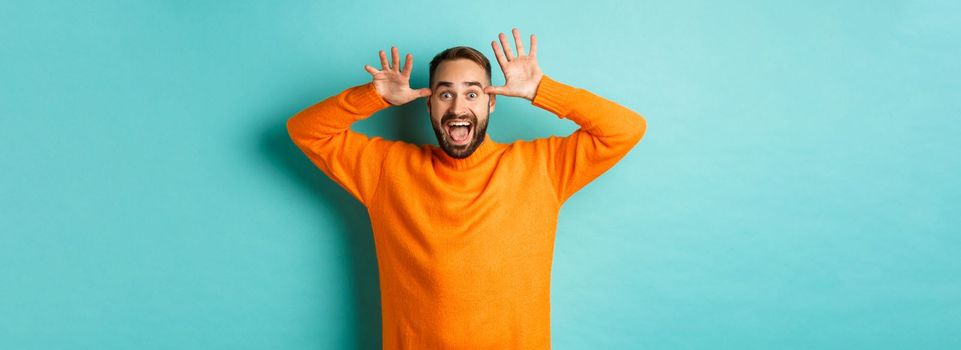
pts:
pixel 460 131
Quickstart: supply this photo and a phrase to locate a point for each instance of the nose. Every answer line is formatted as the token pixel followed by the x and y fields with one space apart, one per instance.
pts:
pixel 458 106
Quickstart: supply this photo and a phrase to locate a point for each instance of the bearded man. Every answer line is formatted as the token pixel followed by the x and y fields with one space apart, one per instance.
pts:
pixel 464 231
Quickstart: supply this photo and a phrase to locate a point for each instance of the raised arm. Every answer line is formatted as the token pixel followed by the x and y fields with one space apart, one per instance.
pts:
pixel 322 131
pixel 607 130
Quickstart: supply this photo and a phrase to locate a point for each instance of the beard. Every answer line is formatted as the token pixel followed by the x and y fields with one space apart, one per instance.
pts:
pixel 460 151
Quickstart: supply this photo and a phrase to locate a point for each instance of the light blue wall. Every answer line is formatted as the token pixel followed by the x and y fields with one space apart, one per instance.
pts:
pixel 798 186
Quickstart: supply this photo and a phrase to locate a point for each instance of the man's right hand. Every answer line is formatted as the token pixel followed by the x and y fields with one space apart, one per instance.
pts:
pixel 392 84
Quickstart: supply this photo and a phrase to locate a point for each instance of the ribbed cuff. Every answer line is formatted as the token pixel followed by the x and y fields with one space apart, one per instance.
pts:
pixel 365 100
pixel 554 96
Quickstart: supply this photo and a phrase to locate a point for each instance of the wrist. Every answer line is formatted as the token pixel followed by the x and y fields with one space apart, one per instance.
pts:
pixel 375 98
pixel 533 92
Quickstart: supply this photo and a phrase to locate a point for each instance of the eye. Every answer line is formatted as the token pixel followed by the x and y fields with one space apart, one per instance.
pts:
pixel 445 95
pixel 472 95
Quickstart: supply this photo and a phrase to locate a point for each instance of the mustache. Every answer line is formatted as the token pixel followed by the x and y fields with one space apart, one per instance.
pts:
pixel 448 117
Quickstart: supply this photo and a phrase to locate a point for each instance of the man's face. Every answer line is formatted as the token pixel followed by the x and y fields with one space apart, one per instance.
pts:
pixel 458 106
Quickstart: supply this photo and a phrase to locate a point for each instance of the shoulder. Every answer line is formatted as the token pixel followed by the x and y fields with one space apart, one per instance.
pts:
pixel 400 150
pixel 538 146
pixel 535 149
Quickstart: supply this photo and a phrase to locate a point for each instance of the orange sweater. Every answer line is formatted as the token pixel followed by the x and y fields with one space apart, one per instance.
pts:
pixel 464 246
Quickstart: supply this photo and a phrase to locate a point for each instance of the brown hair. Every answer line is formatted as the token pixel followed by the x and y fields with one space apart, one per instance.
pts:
pixel 459 52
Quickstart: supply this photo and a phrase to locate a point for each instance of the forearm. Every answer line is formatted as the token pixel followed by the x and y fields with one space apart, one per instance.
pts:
pixel 596 115
pixel 335 114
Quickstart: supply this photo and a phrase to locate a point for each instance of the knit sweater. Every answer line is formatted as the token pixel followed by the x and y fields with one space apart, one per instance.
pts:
pixel 464 246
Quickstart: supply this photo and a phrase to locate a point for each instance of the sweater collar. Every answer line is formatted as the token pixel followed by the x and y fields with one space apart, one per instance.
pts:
pixel 483 151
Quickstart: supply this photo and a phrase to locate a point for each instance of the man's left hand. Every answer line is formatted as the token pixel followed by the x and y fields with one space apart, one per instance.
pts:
pixel 521 72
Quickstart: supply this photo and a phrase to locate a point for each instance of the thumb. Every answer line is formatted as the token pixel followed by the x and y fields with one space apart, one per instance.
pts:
pixel 423 92
pixel 499 90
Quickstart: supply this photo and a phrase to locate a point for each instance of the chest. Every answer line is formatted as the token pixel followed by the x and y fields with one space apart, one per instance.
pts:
pixel 508 189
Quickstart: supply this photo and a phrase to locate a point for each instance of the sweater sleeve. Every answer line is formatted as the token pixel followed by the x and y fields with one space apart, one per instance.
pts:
pixel 322 131
pixel 607 132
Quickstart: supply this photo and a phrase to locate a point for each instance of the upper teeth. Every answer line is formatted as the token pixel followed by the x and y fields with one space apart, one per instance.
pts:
pixel 459 124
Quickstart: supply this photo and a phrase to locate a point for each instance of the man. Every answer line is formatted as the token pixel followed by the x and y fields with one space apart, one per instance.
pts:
pixel 464 232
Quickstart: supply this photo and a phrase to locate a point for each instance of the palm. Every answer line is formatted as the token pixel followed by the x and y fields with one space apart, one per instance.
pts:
pixel 394 87
pixel 521 72
pixel 393 84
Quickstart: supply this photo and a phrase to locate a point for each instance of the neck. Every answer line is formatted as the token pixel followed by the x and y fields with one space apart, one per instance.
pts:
pixel 486 148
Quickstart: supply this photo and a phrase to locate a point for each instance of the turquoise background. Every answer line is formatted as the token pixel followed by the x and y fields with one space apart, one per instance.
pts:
pixel 798 186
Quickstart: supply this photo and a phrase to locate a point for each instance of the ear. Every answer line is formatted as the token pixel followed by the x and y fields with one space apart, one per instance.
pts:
pixel 493 102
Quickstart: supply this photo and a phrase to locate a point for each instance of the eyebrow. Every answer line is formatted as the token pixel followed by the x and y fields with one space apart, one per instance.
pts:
pixel 468 83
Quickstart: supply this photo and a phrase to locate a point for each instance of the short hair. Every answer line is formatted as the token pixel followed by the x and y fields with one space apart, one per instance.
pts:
pixel 459 52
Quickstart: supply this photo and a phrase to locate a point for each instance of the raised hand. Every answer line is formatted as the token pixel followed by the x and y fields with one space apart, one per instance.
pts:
pixel 521 72
pixel 392 84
